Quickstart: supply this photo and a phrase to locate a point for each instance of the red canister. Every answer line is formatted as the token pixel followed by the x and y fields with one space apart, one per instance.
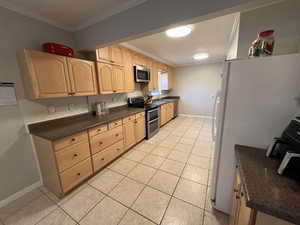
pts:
pixel 58 49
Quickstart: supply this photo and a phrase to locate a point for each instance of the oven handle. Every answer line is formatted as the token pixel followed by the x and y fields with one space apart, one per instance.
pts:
pixel 151 121
pixel 150 111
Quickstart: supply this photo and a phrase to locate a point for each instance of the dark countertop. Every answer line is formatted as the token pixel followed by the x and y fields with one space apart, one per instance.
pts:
pixel 266 191
pixel 59 128
pixel 159 102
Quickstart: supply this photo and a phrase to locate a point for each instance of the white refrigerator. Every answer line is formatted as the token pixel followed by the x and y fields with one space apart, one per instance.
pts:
pixel 257 100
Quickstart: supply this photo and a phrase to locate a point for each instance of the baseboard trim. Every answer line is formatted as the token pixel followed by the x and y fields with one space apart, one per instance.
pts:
pixel 19 194
pixel 196 116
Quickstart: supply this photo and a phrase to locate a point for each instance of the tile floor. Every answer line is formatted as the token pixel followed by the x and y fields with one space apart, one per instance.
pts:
pixel 164 180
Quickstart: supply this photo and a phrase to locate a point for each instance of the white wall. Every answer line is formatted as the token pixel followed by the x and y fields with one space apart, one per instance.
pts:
pixel 196 85
pixel 283 17
pixel 17 163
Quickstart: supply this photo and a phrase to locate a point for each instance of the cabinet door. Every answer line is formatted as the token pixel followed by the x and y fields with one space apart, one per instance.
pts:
pixel 154 75
pixel 170 78
pixel 47 74
pixel 117 54
pixel 105 78
pixel 163 114
pixel 104 54
pixel 118 79
pixel 140 129
pixel 129 134
pixel 82 76
pixel 171 110
pixel 236 202
pixel 128 71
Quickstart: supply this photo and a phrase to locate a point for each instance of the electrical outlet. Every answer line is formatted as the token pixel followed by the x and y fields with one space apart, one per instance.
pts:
pixel 71 107
pixel 51 109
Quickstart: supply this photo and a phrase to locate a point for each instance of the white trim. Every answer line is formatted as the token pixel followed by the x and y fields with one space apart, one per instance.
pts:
pixel 19 194
pixel 196 116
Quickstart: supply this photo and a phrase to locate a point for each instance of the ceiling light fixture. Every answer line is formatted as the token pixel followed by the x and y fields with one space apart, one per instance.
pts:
pixel 200 56
pixel 179 31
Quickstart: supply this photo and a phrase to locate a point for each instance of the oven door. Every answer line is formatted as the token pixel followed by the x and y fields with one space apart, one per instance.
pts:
pixel 152 114
pixel 152 128
pixel 142 74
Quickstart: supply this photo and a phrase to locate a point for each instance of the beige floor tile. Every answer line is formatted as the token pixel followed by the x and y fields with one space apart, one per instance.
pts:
pixel 127 191
pixel 191 192
pixel 182 213
pixel 136 155
pixel 161 151
pixel 183 147
pixel 172 166
pixel 80 204
pixel 57 217
pixel 123 166
pixel 32 213
pixel 202 150
pixel 189 141
pixel 179 156
pixel 196 174
pixel 199 161
pixel 132 218
pixel 106 181
pixel 153 161
pixel 164 182
pixel 152 204
pixel 167 144
pixel 145 147
pixel 107 212
pixel 21 202
pixel 142 173
pixel 215 218
pixel 173 138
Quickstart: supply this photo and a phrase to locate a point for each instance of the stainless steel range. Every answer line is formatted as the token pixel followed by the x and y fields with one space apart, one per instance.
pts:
pixel 152 115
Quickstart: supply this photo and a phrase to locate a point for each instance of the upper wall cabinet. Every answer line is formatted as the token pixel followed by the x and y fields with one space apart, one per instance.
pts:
pixel 129 84
pixel 51 76
pixel 110 54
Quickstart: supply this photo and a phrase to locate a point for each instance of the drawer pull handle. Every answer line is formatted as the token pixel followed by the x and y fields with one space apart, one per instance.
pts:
pixel 116 123
pixel 99 130
pixel 75 155
pixel 235 190
pixel 78 174
pixel 73 139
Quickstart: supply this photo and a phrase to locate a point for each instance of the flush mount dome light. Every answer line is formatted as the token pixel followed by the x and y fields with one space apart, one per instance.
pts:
pixel 200 56
pixel 179 31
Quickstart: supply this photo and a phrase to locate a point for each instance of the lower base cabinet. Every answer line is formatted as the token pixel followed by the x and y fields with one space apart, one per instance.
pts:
pixel 166 113
pixel 243 215
pixel 67 162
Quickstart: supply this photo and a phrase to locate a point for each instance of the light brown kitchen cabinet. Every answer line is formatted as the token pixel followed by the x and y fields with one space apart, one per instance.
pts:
pixel 82 77
pixel 170 78
pixel 140 128
pixel 118 79
pixel 129 84
pixel 111 78
pixel 105 78
pixel 129 132
pixel 166 113
pixel 51 76
pixel 243 215
pixel 110 54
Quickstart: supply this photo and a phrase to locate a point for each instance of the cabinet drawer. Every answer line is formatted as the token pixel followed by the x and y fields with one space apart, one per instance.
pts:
pixel 73 176
pixel 101 141
pixel 114 124
pixel 128 119
pixel 139 115
pixel 103 158
pixel 72 155
pixel 70 140
pixel 97 130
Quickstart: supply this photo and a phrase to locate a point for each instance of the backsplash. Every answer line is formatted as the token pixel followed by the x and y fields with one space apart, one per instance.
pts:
pixel 48 109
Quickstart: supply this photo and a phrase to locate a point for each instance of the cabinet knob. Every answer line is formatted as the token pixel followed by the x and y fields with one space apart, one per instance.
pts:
pixel 237 197
pixel 73 139
pixel 75 155
pixel 117 135
pixel 235 190
pixel 99 130
pixel 118 149
pixel 115 91
pixel 102 159
pixel 100 143
pixel 78 174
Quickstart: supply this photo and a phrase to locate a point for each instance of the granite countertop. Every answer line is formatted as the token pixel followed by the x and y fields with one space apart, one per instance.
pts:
pixel 266 191
pixel 59 128
pixel 159 102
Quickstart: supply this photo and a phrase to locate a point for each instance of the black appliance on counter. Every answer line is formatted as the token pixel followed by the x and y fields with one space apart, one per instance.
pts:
pixel 152 115
pixel 287 149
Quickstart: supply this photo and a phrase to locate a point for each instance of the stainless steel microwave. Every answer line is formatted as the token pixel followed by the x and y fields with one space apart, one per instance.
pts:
pixel 141 74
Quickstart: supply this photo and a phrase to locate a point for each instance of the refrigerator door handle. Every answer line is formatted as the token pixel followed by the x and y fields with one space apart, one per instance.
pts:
pixel 214 118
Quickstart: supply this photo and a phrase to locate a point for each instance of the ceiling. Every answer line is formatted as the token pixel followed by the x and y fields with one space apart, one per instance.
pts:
pixel 69 14
pixel 211 36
